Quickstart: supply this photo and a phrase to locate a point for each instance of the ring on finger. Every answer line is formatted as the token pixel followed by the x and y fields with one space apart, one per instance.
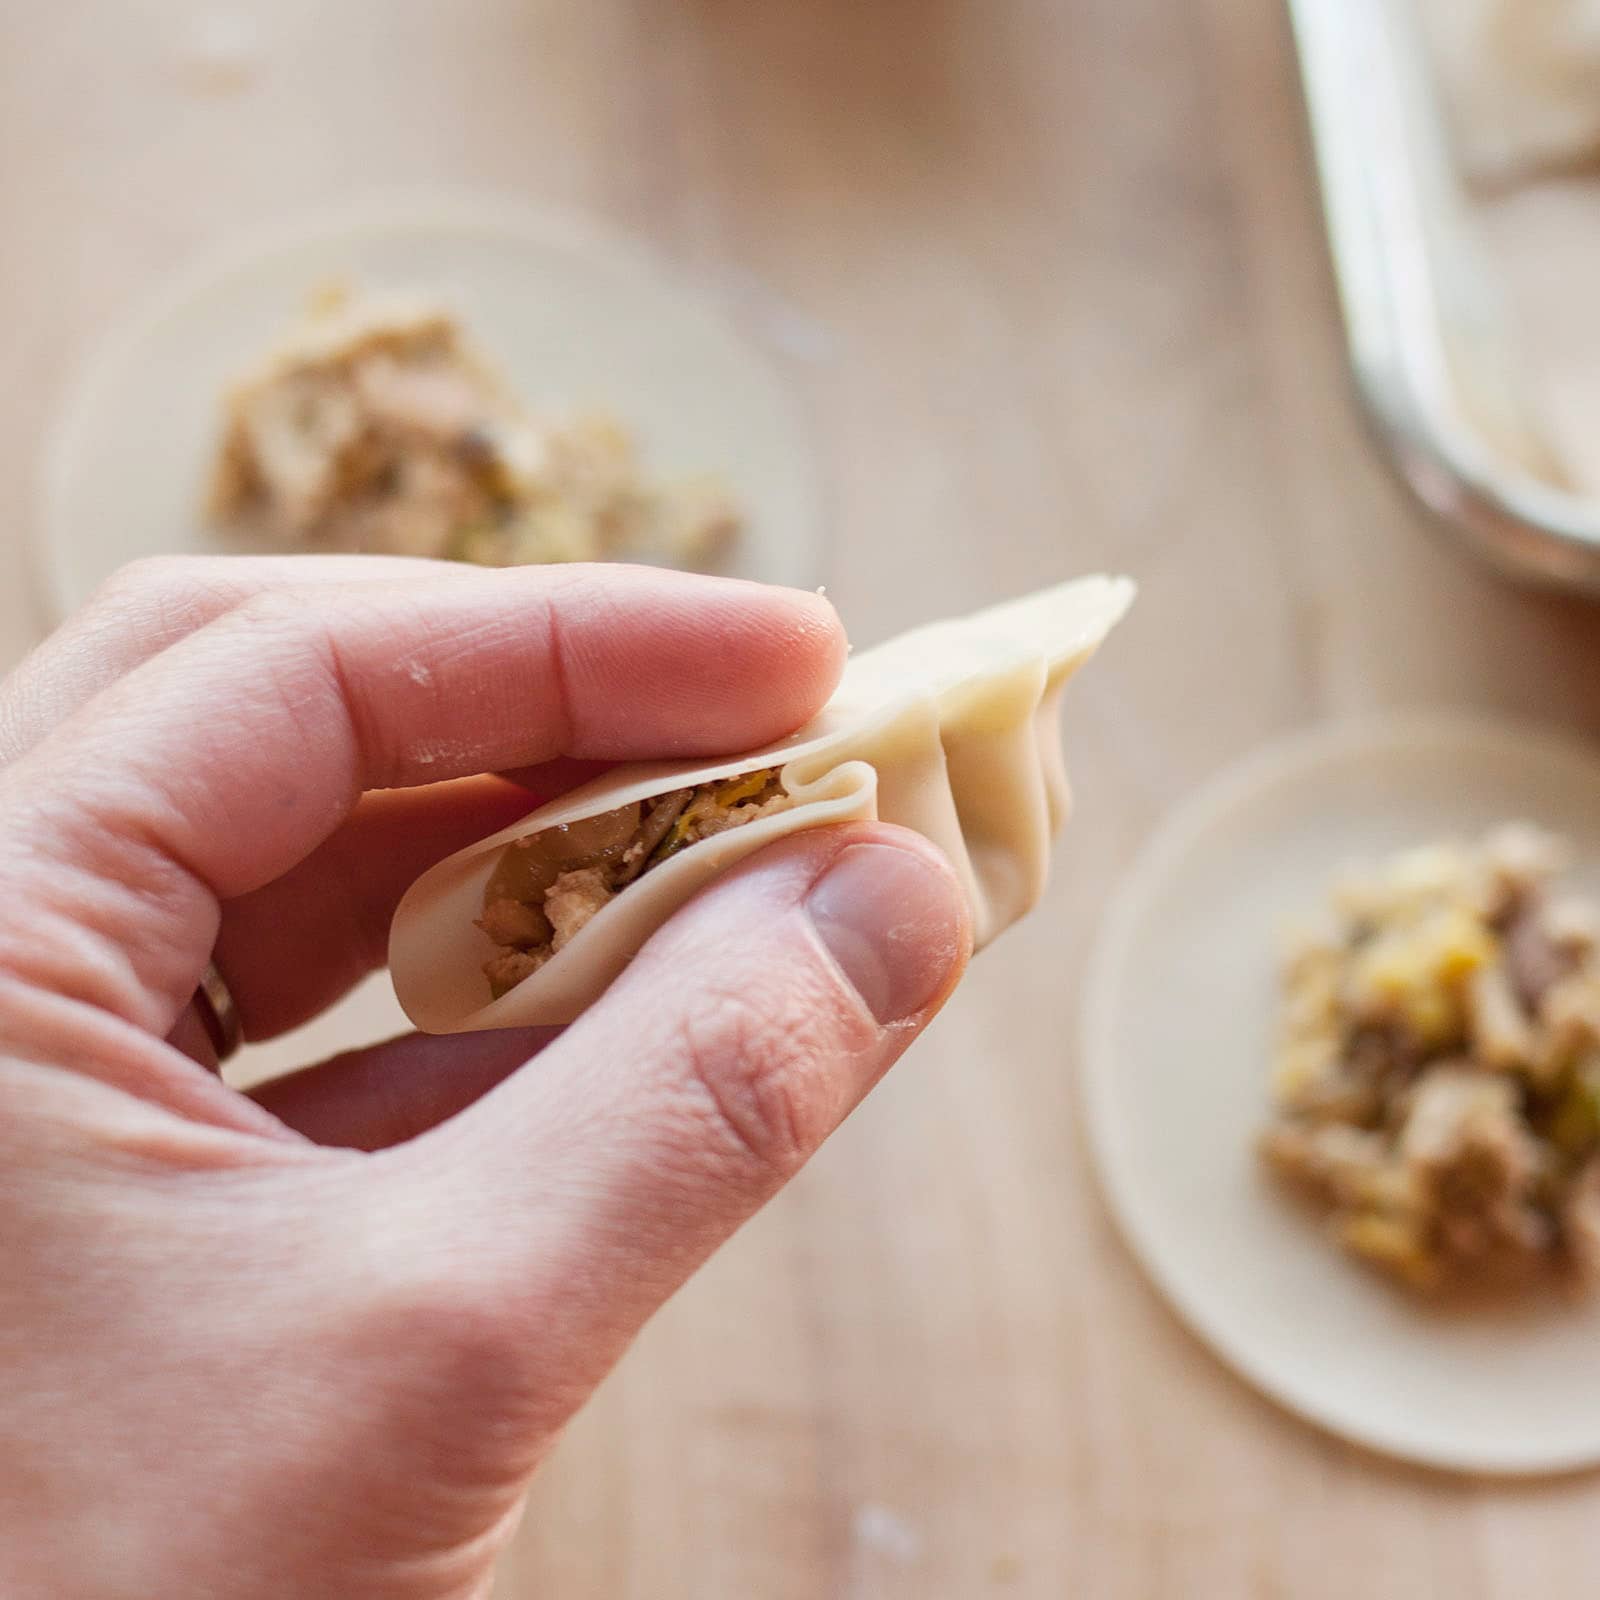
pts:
pixel 219 1016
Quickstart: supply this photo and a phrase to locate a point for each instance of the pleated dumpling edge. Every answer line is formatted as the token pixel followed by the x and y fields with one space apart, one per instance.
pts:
pixel 951 729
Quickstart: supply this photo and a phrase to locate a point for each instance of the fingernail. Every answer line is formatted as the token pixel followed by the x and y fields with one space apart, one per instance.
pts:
pixel 894 924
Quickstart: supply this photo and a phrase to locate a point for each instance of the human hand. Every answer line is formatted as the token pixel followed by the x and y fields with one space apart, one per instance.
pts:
pixel 315 1342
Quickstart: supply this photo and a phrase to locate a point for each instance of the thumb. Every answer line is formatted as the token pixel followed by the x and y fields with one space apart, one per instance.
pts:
pixel 575 1197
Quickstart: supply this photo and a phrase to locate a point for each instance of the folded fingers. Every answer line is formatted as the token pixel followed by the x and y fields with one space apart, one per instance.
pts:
pixel 225 760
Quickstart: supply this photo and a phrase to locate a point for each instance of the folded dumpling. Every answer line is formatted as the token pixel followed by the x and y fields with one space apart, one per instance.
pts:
pixel 950 729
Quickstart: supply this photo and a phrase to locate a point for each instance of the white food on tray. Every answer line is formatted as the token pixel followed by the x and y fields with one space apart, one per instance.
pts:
pixel 1522 79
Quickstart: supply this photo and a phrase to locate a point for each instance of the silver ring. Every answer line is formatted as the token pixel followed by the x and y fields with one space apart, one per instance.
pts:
pixel 219 1016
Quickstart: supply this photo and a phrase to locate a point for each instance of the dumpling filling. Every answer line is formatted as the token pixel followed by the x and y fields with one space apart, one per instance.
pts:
pixel 378 425
pixel 1437 1089
pixel 547 885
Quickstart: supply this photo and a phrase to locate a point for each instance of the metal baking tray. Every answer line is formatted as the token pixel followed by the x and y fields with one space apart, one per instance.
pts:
pixel 1429 346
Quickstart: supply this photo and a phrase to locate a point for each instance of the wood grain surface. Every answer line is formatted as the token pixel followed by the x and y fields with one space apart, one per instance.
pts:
pixel 1053 282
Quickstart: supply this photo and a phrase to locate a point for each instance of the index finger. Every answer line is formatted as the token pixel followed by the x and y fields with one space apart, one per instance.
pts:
pixel 221 762
pixel 150 604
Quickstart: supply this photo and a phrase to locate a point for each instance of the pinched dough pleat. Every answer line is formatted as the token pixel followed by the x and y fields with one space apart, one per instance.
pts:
pixel 951 730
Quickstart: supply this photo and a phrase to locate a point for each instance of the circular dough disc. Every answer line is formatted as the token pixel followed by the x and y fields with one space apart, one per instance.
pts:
pixel 576 320
pixel 1179 1027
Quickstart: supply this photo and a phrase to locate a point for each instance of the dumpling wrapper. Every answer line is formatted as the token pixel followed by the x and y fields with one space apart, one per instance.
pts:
pixel 951 729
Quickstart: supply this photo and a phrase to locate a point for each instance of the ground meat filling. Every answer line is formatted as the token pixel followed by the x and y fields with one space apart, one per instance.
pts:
pixel 1437 1088
pixel 546 886
pixel 378 425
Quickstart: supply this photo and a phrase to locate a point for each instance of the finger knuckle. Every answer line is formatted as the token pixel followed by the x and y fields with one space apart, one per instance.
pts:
pixel 762 1068
pixel 442 1343
pixel 450 1315
pixel 167 592
pixel 343 651
pixel 452 1323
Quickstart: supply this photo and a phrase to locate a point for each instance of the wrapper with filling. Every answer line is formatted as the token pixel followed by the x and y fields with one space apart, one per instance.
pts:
pixel 546 886
pixel 952 730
